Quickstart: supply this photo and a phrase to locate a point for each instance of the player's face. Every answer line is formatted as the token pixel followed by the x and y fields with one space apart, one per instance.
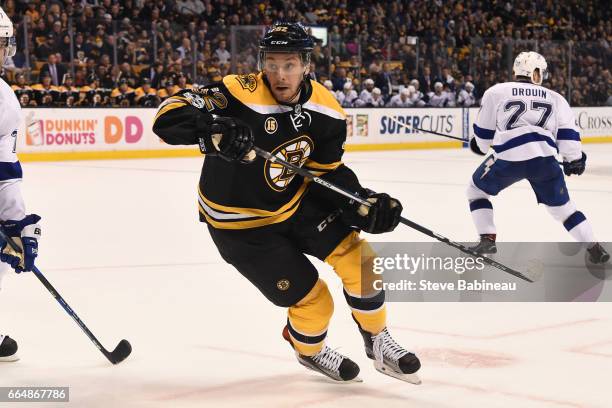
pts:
pixel 285 73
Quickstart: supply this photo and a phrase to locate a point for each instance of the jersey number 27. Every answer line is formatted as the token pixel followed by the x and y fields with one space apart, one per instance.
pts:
pixel 520 108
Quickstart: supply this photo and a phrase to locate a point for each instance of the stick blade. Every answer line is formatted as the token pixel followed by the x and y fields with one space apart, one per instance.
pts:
pixel 121 352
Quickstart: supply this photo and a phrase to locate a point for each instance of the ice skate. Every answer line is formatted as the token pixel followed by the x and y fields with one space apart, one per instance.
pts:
pixel 597 254
pixel 390 358
pixel 329 363
pixel 486 245
pixel 8 349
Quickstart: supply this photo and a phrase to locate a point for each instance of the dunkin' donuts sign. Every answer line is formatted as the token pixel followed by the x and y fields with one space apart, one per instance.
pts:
pixel 81 127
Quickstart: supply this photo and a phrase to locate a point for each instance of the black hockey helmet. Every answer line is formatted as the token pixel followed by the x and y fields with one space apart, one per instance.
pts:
pixel 286 37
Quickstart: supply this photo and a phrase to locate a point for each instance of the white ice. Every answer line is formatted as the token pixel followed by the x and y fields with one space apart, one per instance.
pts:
pixel 123 245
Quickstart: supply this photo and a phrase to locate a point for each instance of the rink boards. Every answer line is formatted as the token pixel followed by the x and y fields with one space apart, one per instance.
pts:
pixel 85 134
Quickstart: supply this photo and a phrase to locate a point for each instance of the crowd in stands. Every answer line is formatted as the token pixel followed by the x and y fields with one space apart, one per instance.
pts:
pixel 138 52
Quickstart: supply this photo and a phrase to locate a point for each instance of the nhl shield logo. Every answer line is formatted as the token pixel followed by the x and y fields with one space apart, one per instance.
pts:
pixel 271 125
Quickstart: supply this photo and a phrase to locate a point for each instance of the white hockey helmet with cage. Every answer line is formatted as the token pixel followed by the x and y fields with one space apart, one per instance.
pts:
pixel 526 63
pixel 8 44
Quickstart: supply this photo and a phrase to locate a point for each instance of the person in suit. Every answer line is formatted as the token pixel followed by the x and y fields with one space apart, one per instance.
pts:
pixel 54 69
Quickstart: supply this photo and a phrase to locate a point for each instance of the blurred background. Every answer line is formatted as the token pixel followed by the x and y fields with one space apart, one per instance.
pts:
pixel 106 53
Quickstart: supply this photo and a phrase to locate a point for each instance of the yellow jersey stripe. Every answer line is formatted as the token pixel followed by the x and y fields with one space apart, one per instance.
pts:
pixel 255 211
pixel 311 164
pixel 169 107
pixel 250 223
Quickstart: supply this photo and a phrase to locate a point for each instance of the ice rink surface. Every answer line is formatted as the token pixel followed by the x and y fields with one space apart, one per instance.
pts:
pixel 123 245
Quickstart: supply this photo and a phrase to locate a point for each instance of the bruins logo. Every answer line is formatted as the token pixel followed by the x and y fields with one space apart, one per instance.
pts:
pixel 296 152
pixel 283 284
pixel 248 82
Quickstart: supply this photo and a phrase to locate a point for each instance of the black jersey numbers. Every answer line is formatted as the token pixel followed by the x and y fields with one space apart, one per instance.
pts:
pixel 520 107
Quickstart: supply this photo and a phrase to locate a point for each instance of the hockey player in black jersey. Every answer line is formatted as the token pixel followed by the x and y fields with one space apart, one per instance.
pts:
pixel 264 219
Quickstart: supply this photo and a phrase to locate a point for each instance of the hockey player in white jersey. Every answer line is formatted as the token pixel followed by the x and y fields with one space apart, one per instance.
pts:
pixel 347 96
pixel 438 98
pixel 401 100
pixel 23 229
pixel 526 124
pixel 466 96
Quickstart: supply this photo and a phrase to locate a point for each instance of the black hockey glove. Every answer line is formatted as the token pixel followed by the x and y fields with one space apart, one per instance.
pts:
pixel 229 138
pixel 382 216
pixel 575 167
pixel 474 147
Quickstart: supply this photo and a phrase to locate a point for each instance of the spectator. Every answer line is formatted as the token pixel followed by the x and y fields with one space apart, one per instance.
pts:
pixel 20 87
pixel 69 94
pixel 123 95
pixel 45 93
pixel 339 79
pixel 168 90
pixel 55 70
pixel 145 95
pixel 222 54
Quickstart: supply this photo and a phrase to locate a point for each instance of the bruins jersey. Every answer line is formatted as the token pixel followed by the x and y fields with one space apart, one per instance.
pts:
pixel 310 133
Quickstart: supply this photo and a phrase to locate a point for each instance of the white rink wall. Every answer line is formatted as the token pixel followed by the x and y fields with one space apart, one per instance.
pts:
pixel 77 134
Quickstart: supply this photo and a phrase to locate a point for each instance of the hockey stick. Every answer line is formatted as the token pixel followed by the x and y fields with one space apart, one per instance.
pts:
pixel 428 131
pixel 533 274
pixel 123 349
pixel 437 133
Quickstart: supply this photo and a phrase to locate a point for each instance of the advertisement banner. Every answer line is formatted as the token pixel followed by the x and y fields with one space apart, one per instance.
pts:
pixel 59 134
pixel 396 127
pixel 88 130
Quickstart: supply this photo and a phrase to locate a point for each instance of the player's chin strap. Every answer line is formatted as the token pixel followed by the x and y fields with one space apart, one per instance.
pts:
pixel 531 275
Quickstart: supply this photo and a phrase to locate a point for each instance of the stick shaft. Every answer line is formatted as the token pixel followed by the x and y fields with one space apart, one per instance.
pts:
pixel 428 131
pixel 305 173
pixel 60 299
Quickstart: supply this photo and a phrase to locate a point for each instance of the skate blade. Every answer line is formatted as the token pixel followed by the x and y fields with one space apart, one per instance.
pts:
pixel 9 359
pixel 410 378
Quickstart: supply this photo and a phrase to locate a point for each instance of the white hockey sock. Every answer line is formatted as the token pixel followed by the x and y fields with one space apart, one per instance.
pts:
pixel 4 268
pixel 482 214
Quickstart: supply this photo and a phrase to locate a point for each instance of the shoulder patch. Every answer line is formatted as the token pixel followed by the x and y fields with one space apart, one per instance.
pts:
pixel 250 90
pixel 248 82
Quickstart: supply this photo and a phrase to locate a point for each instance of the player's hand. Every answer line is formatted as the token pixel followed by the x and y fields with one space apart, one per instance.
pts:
pixel 25 235
pixel 382 216
pixel 230 139
pixel 576 166
pixel 474 147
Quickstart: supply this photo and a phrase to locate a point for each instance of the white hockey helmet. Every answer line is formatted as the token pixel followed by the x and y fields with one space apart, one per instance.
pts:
pixel 376 91
pixel 328 84
pixel 368 81
pixel 438 85
pixel 469 86
pixel 348 85
pixel 8 45
pixel 526 63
